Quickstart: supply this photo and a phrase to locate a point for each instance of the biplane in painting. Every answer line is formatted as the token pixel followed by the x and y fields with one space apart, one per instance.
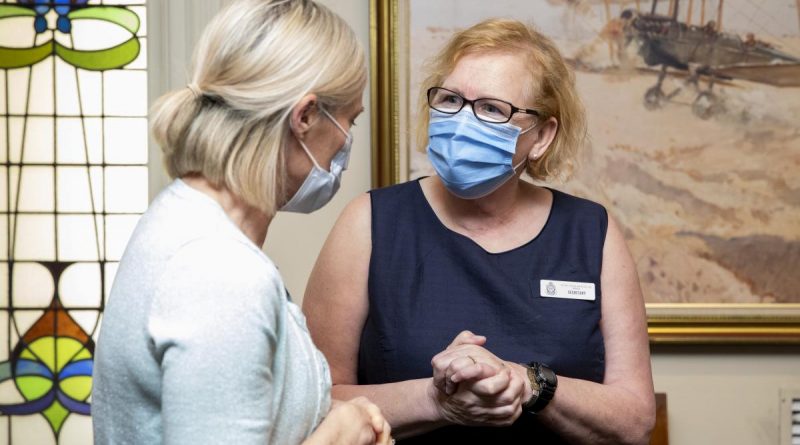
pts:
pixel 702 52
pixel 686 39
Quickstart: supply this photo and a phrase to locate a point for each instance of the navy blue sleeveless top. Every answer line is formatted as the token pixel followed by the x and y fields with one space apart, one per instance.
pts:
pixel 427 283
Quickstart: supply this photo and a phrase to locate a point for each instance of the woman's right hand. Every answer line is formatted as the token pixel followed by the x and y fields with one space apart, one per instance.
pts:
pixel 491 401
pixel 355 422
pixel 475 387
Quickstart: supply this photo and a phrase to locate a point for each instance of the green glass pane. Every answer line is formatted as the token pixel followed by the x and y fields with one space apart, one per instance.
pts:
pixel 122 17
pixel 7 11
pixel 44 348
pixel 27 354
pixel 56 414
pixel 82 355
pixel 33 387
pixel 106 59
pixel 19 57
pixel 78 387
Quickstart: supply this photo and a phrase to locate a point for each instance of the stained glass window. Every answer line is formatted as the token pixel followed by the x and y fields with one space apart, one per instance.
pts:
pixel 73 182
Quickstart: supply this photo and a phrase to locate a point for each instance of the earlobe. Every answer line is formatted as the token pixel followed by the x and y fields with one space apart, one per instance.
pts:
pixel 546 135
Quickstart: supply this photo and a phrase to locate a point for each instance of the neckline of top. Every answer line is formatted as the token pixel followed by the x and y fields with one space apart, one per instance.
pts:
pixel 432 213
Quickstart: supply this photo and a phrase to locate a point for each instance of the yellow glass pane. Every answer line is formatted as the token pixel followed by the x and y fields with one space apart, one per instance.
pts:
pixel 44 349
pixel 78 387
pixel 56 414
pixel 33 387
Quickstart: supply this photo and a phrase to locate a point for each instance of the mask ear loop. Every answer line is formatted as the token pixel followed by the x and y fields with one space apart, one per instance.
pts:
pixel 305 147
pixel 348 137
pixel 535 157
pixel 308 152
pixel 346 133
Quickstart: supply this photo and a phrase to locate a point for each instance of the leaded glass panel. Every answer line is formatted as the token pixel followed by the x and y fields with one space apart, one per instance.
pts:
pixel 73 182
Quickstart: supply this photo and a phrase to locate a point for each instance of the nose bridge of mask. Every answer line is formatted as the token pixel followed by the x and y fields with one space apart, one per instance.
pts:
pixel 466 120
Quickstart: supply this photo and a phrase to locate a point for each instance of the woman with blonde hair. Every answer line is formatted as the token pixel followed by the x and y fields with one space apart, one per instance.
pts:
pixel 200 342
pixel 410 274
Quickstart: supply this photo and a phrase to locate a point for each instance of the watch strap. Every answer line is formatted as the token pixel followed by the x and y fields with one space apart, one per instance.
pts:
pixel 547 382
pixel 535 389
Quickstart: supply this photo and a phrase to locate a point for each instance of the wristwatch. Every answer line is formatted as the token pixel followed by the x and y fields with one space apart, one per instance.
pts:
pixel 543 383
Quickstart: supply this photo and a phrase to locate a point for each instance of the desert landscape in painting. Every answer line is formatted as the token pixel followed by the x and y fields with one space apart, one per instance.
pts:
pixel 709 197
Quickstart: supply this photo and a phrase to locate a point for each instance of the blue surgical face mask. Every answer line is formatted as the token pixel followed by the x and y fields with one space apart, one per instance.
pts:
pixel 320 185
pixel 471 157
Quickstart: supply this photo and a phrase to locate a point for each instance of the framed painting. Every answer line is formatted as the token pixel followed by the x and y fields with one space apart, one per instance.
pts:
pixel 693 108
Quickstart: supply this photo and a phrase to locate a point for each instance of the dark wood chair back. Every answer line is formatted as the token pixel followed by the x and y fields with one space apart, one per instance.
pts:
pixel 660 434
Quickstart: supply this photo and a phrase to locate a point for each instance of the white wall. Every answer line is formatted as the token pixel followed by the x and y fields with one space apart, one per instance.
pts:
pixel 716 395
pixel 725 394
pixel 294 241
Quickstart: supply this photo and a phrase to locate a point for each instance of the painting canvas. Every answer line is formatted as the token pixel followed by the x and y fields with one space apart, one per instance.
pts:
pixel 694 112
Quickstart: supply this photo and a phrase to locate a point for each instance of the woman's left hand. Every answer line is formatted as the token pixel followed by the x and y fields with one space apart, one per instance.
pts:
pixel 466 366
pixel 464 359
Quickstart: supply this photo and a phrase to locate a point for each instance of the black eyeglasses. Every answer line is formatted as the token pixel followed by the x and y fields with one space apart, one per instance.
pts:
pixel 493 111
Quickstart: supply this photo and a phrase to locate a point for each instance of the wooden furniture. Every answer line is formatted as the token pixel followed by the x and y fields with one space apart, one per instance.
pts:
pixel 660 434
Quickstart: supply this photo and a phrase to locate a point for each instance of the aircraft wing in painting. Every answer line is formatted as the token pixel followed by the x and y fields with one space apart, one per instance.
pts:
pixel 779 75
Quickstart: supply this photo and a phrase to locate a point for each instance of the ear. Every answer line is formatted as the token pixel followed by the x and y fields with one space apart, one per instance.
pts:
pixel 303 116
pixel 545 133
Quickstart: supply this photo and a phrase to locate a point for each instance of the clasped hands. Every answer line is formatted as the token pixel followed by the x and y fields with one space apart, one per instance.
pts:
pixel 475 387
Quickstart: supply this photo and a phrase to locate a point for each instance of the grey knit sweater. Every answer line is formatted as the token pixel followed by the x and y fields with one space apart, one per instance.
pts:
pixel 199 343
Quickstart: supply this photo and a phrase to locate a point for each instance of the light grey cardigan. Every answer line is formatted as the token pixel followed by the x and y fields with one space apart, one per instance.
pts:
pixel 199 343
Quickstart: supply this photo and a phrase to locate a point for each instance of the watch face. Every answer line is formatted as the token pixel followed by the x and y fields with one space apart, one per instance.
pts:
pixel 547 375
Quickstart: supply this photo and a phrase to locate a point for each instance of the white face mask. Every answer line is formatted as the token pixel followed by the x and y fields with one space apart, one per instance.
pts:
pixel 320 185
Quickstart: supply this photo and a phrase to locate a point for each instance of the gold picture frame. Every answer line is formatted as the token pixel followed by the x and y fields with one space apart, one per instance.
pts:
pixel 668 323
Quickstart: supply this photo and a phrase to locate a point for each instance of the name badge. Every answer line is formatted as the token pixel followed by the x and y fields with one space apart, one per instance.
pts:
pixel 567 289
